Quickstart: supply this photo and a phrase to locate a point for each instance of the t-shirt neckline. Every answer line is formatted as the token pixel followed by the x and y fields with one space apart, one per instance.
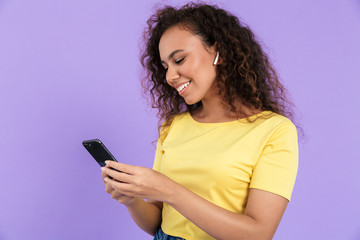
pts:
pixel 243 120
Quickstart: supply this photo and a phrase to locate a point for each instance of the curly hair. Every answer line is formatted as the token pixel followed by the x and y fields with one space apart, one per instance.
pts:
pixel 244 74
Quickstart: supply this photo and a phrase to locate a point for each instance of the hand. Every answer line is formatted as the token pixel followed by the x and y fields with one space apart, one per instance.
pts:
pixel 121 198
pixel 135 181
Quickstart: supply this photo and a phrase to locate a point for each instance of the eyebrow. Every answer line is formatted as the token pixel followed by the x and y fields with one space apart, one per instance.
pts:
pixel 172 54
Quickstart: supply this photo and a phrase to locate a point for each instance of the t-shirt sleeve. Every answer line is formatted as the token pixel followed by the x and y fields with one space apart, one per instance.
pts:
pixel 158 156
pixel 159 152
pixel 276 168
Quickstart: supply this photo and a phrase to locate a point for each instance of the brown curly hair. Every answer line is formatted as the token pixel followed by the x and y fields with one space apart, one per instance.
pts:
pixel 244 74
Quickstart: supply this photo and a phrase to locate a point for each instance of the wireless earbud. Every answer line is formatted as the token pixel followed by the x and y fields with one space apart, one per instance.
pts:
pixel 217 58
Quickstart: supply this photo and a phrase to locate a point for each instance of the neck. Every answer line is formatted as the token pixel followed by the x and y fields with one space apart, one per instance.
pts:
pixel 215 110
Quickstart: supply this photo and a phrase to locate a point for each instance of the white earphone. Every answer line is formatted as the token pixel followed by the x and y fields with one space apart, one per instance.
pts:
pixel 217 58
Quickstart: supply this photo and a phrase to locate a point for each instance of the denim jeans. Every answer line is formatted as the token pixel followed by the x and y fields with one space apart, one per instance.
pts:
pixel 160 235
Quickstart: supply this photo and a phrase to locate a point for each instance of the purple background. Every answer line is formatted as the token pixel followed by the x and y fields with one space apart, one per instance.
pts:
pixel 69 71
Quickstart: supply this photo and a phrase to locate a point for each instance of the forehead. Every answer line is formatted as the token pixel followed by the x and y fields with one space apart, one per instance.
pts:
pixel 178 38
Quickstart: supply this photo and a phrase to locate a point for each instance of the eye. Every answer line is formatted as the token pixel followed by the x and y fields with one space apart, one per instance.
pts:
pixel 178 61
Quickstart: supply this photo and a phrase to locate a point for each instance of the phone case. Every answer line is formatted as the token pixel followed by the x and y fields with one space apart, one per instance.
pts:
pixel 98 150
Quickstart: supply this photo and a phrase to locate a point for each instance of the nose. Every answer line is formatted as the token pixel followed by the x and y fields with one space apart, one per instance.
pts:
pixel 171 75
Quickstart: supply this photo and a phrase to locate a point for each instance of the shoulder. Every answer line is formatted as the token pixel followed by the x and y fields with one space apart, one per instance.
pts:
pixel 178 117
pixel 168 124
pixel 273 121
pixel 282 133
pixel 270 125
pixel 175 120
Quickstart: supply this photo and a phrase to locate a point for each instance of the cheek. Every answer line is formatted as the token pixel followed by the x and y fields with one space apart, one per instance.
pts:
pixel 206 65
pixel 200 68
pixel 206 74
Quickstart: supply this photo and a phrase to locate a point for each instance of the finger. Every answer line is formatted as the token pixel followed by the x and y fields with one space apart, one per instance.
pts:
pixel 118 176
pixel 120 166
pixel 103 175
pixel 116 195
pixel 121 198
pixel 123 188
pixel 109 188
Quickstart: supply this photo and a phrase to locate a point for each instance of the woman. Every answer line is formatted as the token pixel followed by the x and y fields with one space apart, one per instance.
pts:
pixel 227 153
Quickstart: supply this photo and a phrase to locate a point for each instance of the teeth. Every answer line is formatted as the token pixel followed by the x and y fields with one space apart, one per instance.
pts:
pixel 179 89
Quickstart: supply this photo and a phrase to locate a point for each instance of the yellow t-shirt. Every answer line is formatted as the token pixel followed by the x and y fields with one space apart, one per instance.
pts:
pixel 221 161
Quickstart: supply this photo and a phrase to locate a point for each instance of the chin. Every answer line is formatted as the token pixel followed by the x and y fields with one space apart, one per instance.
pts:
pixel 191 101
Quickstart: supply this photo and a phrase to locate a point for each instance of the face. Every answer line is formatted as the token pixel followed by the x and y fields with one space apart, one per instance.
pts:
pixel 189 64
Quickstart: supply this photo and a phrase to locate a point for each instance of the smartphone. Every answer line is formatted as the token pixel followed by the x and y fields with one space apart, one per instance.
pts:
pixel 98 150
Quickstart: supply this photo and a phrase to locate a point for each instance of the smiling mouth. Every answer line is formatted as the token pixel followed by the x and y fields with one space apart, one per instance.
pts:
pixel 183 87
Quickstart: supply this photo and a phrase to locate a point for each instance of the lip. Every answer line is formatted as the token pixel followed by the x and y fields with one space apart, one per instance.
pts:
pixel 182 92
pixel 178 85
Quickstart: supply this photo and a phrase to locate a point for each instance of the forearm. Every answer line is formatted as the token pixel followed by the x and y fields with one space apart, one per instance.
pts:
pixel 263 211
pixel 214 220
pixel 146 215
